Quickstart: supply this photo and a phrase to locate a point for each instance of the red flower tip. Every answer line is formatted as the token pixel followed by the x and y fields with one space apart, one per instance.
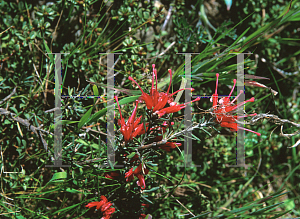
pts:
pixel 216 91
pixel 131 79
pixel 192 89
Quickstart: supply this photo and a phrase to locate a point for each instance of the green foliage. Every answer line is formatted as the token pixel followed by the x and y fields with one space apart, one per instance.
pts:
pixel 144 34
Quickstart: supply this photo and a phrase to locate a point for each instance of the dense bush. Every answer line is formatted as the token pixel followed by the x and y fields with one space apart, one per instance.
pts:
pixel 146 33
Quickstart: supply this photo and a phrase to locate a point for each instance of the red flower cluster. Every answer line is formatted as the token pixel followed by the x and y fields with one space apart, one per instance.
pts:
pixel 225 109
pixel 105 206
pixel 138 173
pixel 157 101
pixel 131 128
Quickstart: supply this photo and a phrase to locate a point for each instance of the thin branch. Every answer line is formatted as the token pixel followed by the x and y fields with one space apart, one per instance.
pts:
pixel 9 96
pixel 275 119
pixel 167 19
pixel 51 110
pixel 6 30
pixel 26 123
pixel 143 147
pixel 55 30
pixel 295 145
pixel 89 161
pixel 191 128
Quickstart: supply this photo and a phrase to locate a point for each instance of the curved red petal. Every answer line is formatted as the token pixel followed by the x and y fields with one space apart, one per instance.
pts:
pixel 106 206
pixel 141 181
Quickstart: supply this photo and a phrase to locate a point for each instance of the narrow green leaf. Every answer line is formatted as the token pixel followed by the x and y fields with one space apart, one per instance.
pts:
pixel 200 215
pixel 131 155
pixel 13 109
pixel 67 208
pixel 59 176
pixel 72 190
pixel 94 145
pixel 95 90
pixel 152 190
pixel 49 51
pixel 100 113
pixel 85 118
pixel 279 215
pixel 81 141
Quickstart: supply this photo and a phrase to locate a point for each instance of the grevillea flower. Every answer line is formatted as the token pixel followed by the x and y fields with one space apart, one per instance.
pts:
pixel 224 111
pixel 156 101
pixel 174 108
pixel 111 175
pixel 137 173
pixel 169 145
pixel 105 206
pixel 131 128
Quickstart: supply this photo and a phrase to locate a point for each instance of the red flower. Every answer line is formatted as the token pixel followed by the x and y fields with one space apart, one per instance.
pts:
pixel 129 175
pixel 169 145
pixel 157 100
pixel 105 205
pixel 131 128
pixel 108 213
pixel 224 110
pixel 175 108
pixel 142 216
pixel 145 205
pixel 97 204
pixel 137 173
pixel 111 175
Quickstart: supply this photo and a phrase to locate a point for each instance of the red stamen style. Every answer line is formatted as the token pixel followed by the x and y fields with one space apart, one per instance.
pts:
pixel 224 110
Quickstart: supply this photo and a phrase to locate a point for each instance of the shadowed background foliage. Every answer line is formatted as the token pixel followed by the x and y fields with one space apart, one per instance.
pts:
pixel 147 32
